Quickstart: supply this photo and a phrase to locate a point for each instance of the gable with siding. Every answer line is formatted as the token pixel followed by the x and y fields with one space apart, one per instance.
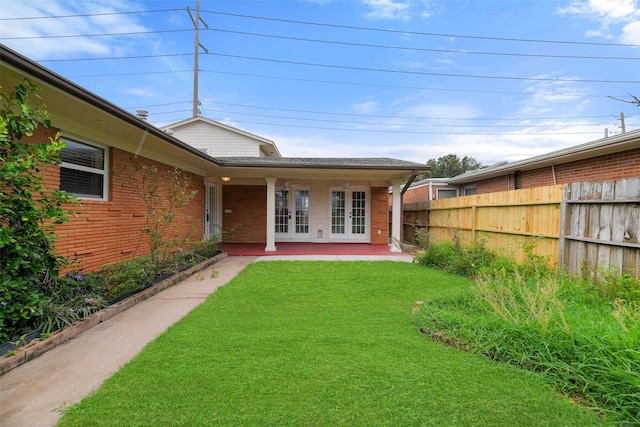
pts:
pixel 219 140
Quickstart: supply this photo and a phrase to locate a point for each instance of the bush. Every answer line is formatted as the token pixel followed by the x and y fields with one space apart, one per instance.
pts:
pixel 73 297
pixel 455 258
pixel 28 213
pixel 127 276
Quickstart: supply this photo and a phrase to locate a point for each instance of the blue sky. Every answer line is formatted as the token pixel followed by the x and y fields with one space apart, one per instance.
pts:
pixel 496 80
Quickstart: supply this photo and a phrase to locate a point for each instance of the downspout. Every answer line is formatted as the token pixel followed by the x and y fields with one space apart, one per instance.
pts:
pixel 553 172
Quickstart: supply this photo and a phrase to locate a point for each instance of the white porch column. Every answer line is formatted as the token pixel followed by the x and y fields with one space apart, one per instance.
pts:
pixel 396 216
pixel 271 214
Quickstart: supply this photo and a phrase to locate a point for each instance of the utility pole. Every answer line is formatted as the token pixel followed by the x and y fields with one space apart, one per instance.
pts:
pixel 196 21
pixel 622 122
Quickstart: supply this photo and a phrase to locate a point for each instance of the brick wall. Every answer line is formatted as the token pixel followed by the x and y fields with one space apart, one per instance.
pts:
pixel 379 215
pixel 416 195
pixel 245 207
pixel 104 232
pixel 625 164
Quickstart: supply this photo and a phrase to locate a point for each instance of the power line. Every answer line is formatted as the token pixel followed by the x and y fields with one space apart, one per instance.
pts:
pixel 346 67
pixel 115 57
pixel 416 132
pixel 133 33
pixel 143 73
pixel 85 15
pixel 334 42
pixel 335 82
pixel 419 49
pixel 393 117
pixel 291 21
pixel 493 92
pixel 461 36
pixel 400 124
pixel 424 73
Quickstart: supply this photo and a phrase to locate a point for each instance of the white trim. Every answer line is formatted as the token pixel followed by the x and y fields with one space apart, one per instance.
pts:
pixel 104 172
pixel 292 236
pixel 271 215
pixel 348 236
pixel 446 189
pixel 396 217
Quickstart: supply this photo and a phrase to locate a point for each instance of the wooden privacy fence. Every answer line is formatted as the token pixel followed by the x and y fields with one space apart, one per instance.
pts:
pixel 580 227
pixel 508 221
pixel 600 226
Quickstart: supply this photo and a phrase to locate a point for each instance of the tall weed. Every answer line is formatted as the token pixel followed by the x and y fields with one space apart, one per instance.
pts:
pixel 583 336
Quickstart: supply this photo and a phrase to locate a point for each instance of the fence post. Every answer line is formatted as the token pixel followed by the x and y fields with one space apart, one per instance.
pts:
pixel 473 222
pixel 563 229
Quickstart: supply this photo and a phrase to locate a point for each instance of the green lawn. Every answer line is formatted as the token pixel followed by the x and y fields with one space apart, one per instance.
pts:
pixel 320 344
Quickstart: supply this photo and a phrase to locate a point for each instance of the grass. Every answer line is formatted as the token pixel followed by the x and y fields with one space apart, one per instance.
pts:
pixel 320 344
pixel 584 335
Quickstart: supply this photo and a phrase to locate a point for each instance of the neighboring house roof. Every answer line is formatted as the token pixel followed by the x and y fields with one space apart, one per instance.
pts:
pixel 600 147
pixel 261 140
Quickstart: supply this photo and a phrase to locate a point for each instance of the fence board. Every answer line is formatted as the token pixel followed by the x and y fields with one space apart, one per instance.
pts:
pixel 507 221
pixel 610 213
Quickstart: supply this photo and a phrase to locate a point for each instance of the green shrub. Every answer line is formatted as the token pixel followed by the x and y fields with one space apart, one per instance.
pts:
pixel 73 297
pixel 28 213
pixel 127 276
pixel 452 256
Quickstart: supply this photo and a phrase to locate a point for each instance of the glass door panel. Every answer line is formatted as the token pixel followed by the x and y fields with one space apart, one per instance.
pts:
pixel 358 212
pixel 282 212
pixel 302 212
pixel 349 215
pixel 338 212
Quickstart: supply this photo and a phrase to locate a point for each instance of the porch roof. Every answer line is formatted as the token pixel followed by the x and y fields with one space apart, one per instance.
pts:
pixel 322 162
pixel 381 169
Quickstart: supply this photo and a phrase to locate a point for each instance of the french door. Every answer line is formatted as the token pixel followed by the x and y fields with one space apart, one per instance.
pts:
pixel 349 215
pixel 211 225
pixel 292 213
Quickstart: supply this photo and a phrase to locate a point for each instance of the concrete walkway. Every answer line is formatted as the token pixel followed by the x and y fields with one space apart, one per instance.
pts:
pixel 31 395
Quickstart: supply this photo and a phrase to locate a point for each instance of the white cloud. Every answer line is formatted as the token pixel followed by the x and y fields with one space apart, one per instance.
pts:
pixel 609 9
pixel 366 107
pixel 546 94
pixel 608 14
pixel 387 9
pixel 631 33
pixel 43 45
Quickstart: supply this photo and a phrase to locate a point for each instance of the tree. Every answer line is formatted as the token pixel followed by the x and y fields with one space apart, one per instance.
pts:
pixel 163 197
pixel 28 211
pixel 450 165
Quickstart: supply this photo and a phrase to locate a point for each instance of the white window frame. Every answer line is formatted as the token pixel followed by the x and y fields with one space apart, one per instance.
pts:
pixel 472 187
pixel 104 172
pixel 438 190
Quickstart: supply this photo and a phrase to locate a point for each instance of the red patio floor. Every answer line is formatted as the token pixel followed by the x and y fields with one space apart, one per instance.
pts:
pixel 291 248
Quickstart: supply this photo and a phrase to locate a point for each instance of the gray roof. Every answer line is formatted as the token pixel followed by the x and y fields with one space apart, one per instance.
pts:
pixel 600 147
pixel 324 163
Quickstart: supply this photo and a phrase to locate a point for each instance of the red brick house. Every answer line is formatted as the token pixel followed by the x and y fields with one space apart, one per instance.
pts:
pixel 269 199
pixel 612 158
